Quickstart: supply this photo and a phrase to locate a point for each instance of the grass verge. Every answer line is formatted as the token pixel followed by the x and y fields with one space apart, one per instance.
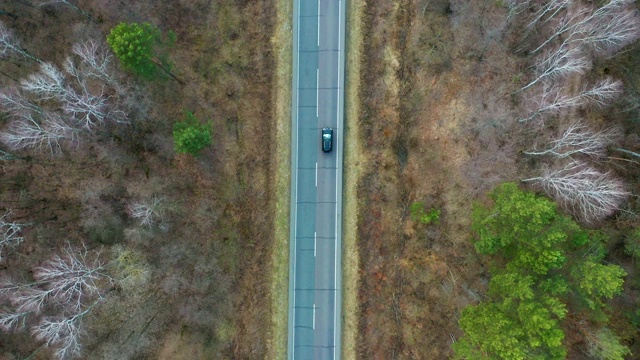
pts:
pixel 282 46
pixel 353 157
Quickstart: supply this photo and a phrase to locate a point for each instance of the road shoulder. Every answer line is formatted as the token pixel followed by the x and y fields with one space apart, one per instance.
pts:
pixel 282 46
pixel 352 172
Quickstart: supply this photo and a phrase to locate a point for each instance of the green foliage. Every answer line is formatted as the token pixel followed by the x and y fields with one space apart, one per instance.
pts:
pixel 140 47
pixel 525 229
pixel 544 256
pixel 496 333
pixel 530 321
pixel 632 245
pixel 605 345
pixel 419 214
pixel 596 281
pixel 189 136
pixel 634 317
pixel 518 286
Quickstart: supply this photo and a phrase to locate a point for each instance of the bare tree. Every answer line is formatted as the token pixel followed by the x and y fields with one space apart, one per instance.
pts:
pixel 605 29
pixel 10 232
pixel 15 103
pixel 147 212
pixel 553 99
pixel 67 280
pixel 30 298
pixel 579 139
pixel 564 24
pixel 517 7
pixel 547 11
pixel 560 63
pixel 98 61
pixel 72 283
pixel 609 33
pixel 48 84
pixel 603 92
pixel 590 194
pixel 48 132
pixel 62 333
pixel 68 3
pixel 9 45
pixel 5 156
pixel 87 109
pixel 13 321
pixel 72 277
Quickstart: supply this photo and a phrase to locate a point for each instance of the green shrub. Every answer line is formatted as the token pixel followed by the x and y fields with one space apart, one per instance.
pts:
pixel 189 136
pixel 140 47
pixel 419 214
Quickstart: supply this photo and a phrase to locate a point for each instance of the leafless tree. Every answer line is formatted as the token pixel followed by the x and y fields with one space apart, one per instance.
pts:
pixel 10 232
pixel 547 11
pixel 590 194
pixel 9 45
pixel 603 92
pixel 73 283
pixel 148 212
pixel 609 33
pixel 67 280
pixel 565 24
pixel 85 108
pixel 68 3
pixel 13 321
pixel 605 29
pixel 62 332
pixel 15 103
pixel 72 277
pixel 553 99
pixel 560 63
pixel 579 139
pixel 47 84
pixel 517 7
pixel 98 61
pixel 5 156
pixel 30 298
pixel 46 132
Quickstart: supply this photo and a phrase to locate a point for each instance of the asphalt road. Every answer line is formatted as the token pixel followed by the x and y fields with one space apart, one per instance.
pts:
pixel 316 186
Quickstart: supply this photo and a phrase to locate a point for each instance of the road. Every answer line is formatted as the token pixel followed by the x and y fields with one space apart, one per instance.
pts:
pixel 316 181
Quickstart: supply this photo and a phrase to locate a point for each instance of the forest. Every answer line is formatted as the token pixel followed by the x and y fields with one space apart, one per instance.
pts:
pixel 492 172
pixel 497 179
pixel 137 216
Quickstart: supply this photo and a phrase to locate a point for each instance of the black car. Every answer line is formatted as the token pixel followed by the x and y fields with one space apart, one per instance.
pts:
pixel 327 139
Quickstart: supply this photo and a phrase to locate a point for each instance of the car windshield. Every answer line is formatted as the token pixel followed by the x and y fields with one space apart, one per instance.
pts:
pixel 326 136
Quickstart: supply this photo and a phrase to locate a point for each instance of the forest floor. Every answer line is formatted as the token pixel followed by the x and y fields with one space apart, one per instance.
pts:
pixel 433 92
pixel 438 125
pixel 208 295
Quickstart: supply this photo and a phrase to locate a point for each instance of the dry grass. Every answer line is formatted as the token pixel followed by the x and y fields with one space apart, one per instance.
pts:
pixel 433 97
pixel 282 46
pixel 354 157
